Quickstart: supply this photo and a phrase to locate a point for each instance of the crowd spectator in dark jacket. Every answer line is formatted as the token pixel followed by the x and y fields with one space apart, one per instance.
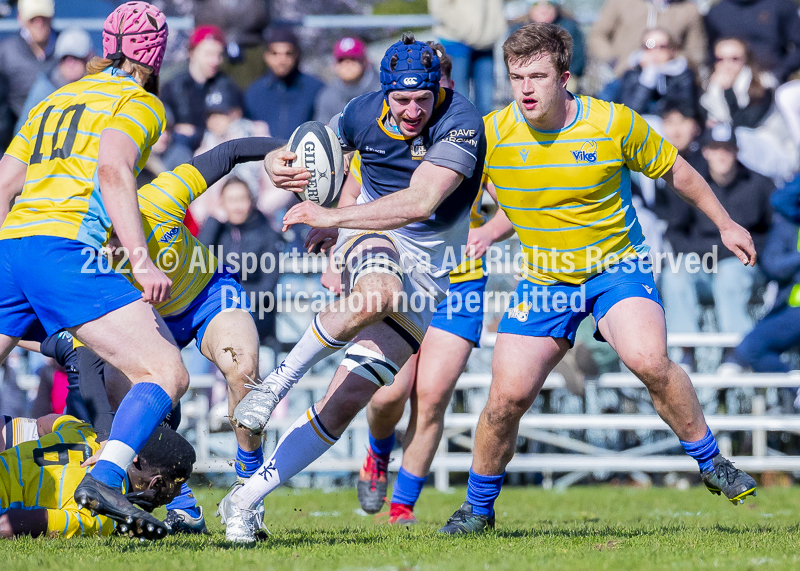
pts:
pixel 660 78
pixel 7 116
pixel 285 97
pixel 73 50
pixel 682 127
pixel 243 22
pixel 247 233
pixel 779 330
pixel 185 94
pixel 738 93
pixel 770 27
pixel 23 56
pixel 354 76
pixel 745 195
pixel 552 12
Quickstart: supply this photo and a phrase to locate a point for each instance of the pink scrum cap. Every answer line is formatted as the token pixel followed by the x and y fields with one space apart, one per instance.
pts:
pixel 137 31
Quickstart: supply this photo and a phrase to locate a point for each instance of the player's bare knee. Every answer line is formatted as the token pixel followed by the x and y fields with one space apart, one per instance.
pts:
pixel 505 408
pixel 652 369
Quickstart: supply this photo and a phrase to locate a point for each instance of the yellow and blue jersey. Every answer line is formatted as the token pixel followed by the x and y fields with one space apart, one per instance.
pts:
pixel 60 142
pixel 182 257
pixel 163 204
pixel 568 192
pixel 44 473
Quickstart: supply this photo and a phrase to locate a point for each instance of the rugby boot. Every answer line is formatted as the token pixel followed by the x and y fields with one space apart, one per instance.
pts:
pixel 464 521
pixel 725 479
pixel 181 522
pixel 372 483
pixel 401 514
pixel 102 499
pixel 255 409
pixel 242 525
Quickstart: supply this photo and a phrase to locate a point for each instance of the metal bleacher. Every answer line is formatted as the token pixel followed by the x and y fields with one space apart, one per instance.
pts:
pixel 575 457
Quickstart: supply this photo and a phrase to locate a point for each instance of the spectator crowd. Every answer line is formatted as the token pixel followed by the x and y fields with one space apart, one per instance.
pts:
pixel 722 86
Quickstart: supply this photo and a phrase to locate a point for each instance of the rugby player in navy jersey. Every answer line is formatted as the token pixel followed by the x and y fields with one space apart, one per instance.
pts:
pixel 422 150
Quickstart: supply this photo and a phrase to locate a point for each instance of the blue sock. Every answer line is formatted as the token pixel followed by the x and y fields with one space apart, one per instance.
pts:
pixel 248 462
pixel 482 491
pixel 139 413
pixel 703 450
pixel 407 488
pixel 185 501
pixel 382 447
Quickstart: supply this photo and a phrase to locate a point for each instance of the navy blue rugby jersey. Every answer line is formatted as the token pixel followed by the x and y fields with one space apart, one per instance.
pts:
pixel 453 138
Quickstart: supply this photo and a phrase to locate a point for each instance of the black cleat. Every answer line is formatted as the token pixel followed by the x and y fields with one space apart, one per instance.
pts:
pixel 728 480
pixel 105 500
pixel 464 521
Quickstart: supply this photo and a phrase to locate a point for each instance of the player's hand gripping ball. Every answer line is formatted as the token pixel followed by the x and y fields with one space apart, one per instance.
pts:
pixel 318 150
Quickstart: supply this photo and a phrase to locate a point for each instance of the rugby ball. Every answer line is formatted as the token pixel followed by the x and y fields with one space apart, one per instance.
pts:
pixel 318 150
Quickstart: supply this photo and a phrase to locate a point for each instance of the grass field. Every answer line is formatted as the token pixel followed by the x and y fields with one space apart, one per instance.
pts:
pixel 583 528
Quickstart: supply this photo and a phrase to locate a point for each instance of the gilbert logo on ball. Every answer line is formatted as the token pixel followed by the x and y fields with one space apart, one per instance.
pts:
pixel 318 150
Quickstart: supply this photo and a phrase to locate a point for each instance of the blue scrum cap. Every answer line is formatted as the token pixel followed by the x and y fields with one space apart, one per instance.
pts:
pixel 410 65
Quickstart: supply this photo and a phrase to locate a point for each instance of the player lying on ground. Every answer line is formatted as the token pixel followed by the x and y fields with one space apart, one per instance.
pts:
pixel 95 391
pixel 427 380
pixel 38 478
pixel 561 165
pixel 74 162
pixel 420 177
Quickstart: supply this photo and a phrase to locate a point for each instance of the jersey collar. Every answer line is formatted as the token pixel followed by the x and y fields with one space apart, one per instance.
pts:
pixel 578 116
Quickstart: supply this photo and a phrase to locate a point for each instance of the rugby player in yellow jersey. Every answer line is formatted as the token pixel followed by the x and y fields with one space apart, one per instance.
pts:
pixel 208 304
pixel 561 166
pixel 38 478
pixel 74 162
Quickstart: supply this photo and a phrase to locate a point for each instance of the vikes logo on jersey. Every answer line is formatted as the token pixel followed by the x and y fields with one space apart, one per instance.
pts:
pixel 587 154
pixel 169 235
pixel 520 313
pixel 418 149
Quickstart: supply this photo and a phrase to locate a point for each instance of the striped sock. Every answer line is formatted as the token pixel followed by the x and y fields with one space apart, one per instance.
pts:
pixel 313 347
pixel 305 441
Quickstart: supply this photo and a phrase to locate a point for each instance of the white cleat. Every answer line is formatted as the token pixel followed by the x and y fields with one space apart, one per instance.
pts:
pixel 255 409
pixel 241 525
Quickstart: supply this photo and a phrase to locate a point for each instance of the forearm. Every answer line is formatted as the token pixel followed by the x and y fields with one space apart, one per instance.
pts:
pixel 219 161
pixel 387 213
pixel 692 188
pixel 12 179
pixel 499 227
pixel 118 187
pixel 18 522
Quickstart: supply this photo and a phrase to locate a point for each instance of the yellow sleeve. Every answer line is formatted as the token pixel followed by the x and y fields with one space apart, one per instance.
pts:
pixel 141 117
pixel 77 523
pixel 644 150
pixel 20 146
pixel 355 167
pixel 170 194
pixel 67 421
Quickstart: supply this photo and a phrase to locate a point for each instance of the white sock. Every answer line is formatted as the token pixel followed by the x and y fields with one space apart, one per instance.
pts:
pixel 313 347
pixel 305 441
